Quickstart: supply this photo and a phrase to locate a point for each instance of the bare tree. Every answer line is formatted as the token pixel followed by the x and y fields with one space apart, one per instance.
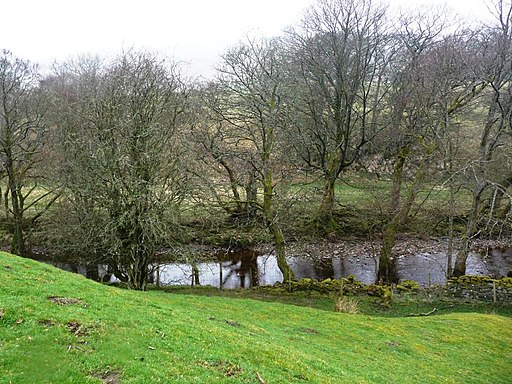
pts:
pixel 22 134
pixel 496 70
pixel 221 161
pixel 338 56
pixel 254 106
pixel 459 90
pixel 120 142
pixel 432 82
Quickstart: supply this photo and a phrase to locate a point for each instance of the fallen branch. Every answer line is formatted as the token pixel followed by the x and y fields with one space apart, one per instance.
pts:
pixel 430 312
pixel 260 379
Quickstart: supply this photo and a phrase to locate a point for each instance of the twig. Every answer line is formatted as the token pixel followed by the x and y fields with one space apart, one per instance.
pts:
pixel 260 379
pixel 430 312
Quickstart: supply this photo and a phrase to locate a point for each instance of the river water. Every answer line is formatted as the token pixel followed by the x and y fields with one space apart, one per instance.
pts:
pixel 246 267
pixel 425 268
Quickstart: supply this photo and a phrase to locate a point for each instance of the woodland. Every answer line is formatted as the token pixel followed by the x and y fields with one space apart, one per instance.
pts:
pixel 353 123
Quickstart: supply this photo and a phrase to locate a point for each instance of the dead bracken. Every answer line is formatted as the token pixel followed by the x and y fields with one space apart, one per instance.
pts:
pixel 47 323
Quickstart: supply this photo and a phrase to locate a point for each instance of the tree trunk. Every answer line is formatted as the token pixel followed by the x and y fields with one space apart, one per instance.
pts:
pixel 279 246
pixel 251 194
pixel 275 229
pixel 397 178
pixel 449 253
pixel 137 256
pixel 387 273
pixel 325 220
pixel 462 257
pixel 253 271
pixel 18 239
pixel 195 275
pixel 138 273
pixel 471 225
pixel 6 203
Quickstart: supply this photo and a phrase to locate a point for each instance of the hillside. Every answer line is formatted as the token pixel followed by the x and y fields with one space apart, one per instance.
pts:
pixel 57 327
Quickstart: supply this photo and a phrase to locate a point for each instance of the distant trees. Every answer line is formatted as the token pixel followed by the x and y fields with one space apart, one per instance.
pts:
pixel 22 138
pixel 119 130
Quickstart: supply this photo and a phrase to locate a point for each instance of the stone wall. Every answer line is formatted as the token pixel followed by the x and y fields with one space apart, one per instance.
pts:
pixel 480 288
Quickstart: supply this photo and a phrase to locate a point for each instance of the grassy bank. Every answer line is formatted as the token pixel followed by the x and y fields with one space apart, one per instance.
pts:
pixel 57 327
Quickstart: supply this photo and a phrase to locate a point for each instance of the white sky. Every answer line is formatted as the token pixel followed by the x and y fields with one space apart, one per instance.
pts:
pixel 194 31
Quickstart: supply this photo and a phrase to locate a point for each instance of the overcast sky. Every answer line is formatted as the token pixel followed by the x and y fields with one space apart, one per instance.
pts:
pixel 194 31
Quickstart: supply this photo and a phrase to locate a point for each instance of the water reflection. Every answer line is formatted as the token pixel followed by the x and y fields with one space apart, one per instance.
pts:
pixel 246 268
pixel 425 268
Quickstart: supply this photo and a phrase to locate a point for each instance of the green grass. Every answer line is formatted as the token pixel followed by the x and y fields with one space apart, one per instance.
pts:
pixel 152 337
pixel 402 305
pixel 362 206
pixel 361 190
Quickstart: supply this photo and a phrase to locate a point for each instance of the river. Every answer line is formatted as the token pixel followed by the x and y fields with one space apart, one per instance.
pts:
pixel 247 267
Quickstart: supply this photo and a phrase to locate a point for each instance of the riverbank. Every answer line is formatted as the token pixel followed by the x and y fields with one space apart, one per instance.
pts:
pixel 59 327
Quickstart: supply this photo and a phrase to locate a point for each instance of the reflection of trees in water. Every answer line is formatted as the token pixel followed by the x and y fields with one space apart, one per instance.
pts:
pixel 247 268
pixel 324 268
pixel 312 267
pixel 244 264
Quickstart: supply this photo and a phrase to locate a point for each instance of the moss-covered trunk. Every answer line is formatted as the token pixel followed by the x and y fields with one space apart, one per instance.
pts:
pixel 471 225
pixel 138 272
pixel 272 223
pixel 18 245
pixel 251 193
pixel 279 246
pixel 325 220
pixel 195 275
pixel 387 271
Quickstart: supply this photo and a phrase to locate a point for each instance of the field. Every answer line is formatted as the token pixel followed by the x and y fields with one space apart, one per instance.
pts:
pixel 57 327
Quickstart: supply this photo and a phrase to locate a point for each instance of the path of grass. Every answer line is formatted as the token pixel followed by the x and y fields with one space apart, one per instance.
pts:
pixel 118 336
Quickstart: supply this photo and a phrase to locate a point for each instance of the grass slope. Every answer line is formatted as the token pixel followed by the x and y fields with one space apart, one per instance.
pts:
pixel 119 336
